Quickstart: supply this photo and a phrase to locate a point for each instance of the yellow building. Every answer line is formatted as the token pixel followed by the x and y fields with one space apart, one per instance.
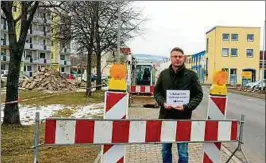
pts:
pixel 234 49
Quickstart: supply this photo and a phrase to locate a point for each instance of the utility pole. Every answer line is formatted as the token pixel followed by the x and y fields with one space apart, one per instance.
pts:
pixel 118 33
pixel 263 59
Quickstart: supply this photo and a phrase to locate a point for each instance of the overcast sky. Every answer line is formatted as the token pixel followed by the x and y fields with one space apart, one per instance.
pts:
pixel 184 24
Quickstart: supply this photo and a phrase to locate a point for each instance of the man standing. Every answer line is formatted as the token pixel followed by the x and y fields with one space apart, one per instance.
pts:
pixel 177 77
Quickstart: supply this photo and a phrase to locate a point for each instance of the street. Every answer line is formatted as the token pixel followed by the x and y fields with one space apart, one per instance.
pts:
pixel 254 130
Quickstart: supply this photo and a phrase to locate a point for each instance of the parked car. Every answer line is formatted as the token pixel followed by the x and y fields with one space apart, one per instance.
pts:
pixel 258 86
pixel 253 85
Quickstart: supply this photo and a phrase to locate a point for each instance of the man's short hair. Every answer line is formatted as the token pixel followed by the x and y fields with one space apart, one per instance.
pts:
pixel 178 50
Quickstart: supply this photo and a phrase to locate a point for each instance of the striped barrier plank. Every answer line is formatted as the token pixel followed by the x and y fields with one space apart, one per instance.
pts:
pixel 116 107
pixel 142 89
pixel 216 111
pixel 87 131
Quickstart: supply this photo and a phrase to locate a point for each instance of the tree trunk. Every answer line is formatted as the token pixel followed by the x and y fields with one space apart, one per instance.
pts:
pixel 88 92
pixel 99 73
pixel 11 111
pixel 98 47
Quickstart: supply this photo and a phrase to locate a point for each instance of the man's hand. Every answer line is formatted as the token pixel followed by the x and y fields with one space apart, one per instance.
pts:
pixel 179 107
pixel 167 107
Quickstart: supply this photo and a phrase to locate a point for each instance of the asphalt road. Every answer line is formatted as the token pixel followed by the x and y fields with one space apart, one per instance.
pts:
pixel 254 130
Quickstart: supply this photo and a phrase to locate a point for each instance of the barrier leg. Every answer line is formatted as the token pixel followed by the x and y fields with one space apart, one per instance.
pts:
pixel 36 138
pixel 216 111
pixel 116 106
pixel 240 141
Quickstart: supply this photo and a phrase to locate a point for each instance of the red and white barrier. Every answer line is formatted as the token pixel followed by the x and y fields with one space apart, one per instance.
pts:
pixel 87 131
pixel 216 111
pixel 116 107
pixel 142 89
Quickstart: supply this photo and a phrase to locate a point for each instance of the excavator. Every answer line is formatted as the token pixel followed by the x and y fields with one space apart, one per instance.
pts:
pixel 142 77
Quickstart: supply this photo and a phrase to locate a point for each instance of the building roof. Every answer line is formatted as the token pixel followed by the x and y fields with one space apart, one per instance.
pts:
pixel 150 58
pixel 201 52
pixel 220 26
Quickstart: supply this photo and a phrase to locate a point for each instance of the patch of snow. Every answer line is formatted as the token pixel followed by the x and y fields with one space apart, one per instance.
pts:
pixel 27 113
pixel 85 111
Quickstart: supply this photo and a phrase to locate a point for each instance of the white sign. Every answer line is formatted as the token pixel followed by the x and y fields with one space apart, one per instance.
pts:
pixel 177 97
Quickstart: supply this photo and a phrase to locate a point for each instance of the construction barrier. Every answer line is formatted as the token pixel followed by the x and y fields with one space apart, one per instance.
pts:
pixel 87 131
pixel 116 107
pixel 142 89
pixel 114 134
pixel 216 111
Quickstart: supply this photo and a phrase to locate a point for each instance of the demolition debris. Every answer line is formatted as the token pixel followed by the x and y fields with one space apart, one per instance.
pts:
pixel 47 79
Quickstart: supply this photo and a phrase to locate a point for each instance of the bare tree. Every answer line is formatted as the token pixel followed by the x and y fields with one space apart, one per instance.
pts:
pixel 20 21
pixel 94 28
pixel 106 20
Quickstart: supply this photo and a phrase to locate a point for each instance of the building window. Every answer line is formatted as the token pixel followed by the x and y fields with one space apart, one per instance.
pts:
pixel 28 68
pixel 234 37
pixel 62 69
pixel 3 66
pixel 233 76
pixel 3 37
pixel 62 57
pixel 225 52
pixel 234 52
pixel 250 37
pixel 249 53
pixel 42 55
pixel 226 37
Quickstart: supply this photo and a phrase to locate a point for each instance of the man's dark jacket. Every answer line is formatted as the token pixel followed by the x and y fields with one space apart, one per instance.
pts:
pixel 183 79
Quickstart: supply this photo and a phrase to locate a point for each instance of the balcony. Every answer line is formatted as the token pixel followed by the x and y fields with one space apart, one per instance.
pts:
pixel 35 32
pixel 65 63
pixel 48 21
pixel 28 73
pixel 31 60
pixel 65 50
pixel 37 47
pixel 5 58
pixel 4 27
pixel 44 61
pixel 45 47
pixel 4 43
pixel 29 46
pixel 37 19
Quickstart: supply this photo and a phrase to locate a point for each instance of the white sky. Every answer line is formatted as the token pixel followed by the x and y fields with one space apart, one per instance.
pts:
pixel 184 24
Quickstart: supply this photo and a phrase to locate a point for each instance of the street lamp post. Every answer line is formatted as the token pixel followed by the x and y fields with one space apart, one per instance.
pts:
pixel 118 33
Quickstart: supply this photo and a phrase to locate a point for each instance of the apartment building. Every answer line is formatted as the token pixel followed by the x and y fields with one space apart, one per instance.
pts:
pixel 38 47
pixel 235 50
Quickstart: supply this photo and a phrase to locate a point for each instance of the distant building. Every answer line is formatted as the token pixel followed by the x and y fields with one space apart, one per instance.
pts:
pixel 199 65
pixel 188 61
pixel 40 49
pixel 234 49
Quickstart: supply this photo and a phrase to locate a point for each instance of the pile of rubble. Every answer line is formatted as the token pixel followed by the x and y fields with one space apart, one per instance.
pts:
pixel 47 79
